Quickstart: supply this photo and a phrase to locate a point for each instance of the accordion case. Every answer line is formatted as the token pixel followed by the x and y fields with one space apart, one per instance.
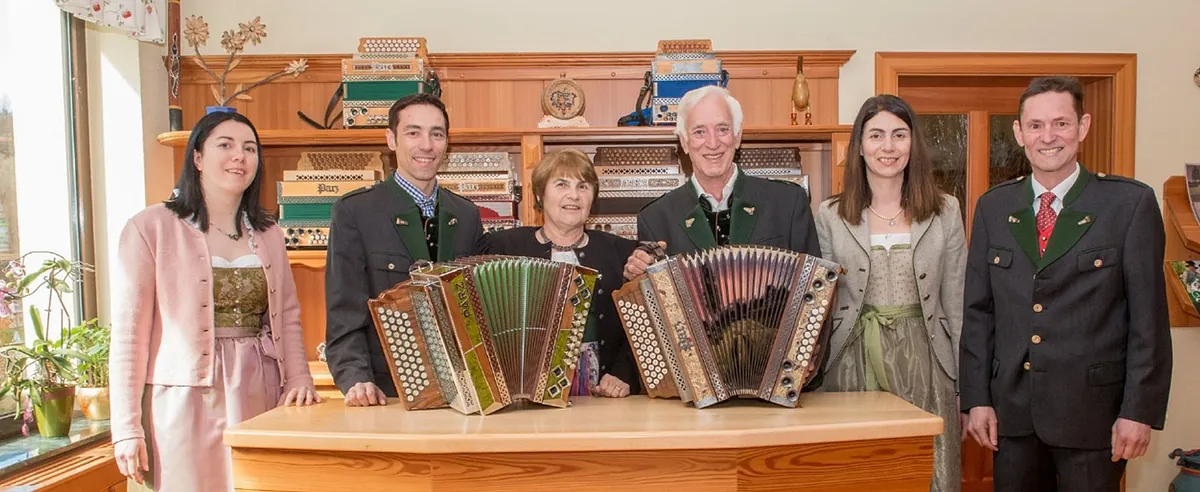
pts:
pixel 478 333
pixel 739 321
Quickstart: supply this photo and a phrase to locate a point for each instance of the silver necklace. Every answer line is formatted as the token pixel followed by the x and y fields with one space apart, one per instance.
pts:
pixel 235 237
pixel 891 220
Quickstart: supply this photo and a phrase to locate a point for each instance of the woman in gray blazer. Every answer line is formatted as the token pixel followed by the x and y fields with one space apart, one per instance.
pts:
pixel 899 304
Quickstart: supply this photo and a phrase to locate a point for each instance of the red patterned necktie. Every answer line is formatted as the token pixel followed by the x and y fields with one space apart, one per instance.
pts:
pixel 1045 221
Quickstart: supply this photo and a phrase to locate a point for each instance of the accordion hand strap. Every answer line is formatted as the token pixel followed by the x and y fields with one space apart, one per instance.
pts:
pixel 872 322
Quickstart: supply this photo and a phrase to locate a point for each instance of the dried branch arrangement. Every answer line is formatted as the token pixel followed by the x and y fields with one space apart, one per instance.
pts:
pixel 253 32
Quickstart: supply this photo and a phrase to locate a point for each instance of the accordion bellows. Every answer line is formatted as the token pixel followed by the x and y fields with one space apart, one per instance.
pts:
pixel 731 322
pixel 478 333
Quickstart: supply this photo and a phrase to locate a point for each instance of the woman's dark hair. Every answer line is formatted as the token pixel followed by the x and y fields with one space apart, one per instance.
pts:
pixel 919 194
pixel 188 200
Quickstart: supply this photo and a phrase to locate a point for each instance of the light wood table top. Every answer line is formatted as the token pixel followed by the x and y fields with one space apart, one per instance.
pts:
pixel 590 424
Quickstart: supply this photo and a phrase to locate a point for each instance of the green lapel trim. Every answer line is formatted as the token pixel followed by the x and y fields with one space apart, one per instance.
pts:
pixel 1068 229
pixel 696 224
pixel 697 227
pixel 741 217
pixel 1024 229
pixel 1076 190
pixel 447 225
pixel 408 223
pixel 1070 225
pixel 1023 225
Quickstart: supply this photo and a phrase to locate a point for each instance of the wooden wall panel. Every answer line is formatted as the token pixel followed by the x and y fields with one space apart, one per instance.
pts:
pixel 310 288
pixel 504 90
pixel 1098 150
pixel 884 465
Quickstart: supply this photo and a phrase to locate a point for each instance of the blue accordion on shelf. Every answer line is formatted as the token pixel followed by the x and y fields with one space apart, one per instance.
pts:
pixel 679 66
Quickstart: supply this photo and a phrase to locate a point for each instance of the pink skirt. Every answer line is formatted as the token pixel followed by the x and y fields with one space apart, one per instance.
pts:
pixel 185 425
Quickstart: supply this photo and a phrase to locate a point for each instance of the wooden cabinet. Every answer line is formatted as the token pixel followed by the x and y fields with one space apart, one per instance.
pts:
pixel 818 146
pixel 494 105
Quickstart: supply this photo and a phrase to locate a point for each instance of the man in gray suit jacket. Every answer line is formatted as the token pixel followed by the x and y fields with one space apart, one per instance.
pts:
pixel 720 204
pixel 1065 357
pixel 378 232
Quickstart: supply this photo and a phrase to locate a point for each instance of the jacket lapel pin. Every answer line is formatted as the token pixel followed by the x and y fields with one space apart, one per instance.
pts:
pixel 1086 219
pixel 688 222
pixel 452 221
pixel 401 222
pixel 1014 220
pixel 749 210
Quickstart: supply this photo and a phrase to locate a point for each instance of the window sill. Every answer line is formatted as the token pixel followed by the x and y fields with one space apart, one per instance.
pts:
pixel 21 453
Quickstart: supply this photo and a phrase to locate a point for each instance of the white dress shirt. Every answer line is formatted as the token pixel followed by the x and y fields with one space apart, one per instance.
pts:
pixel 1059 192
pixel 725 192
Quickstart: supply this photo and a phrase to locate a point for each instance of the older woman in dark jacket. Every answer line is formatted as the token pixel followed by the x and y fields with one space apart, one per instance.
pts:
pixel 565 186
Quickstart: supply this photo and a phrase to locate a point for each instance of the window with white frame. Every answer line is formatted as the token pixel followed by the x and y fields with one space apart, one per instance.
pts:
pixel 38 206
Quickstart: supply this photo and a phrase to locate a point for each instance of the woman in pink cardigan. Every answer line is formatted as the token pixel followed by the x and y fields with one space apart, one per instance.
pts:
pixel 207 330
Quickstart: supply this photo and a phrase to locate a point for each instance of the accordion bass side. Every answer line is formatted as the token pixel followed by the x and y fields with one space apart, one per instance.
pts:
pixel 478 333
pixel 731 322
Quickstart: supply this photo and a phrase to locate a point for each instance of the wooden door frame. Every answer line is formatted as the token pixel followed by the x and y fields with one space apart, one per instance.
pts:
pixel 1121 67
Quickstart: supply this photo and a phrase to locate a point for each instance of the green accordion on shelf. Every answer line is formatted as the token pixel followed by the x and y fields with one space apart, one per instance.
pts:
pixel 478 333
pixel 382 71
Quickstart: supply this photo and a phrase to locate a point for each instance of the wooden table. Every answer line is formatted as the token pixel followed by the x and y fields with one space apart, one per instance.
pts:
pixel 836 442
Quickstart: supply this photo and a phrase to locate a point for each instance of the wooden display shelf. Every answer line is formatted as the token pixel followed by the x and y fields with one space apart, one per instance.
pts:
pixel 1183 243
pixel 309 258
pixel 513 136
pixel 834 442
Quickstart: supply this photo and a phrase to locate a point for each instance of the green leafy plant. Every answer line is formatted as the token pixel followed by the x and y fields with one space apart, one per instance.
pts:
pixel 45 365
pixel 89 344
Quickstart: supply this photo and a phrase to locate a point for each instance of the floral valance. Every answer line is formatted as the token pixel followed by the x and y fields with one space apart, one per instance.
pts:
pixel 145 20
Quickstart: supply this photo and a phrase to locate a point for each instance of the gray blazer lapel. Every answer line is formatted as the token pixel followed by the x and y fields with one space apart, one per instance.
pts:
pixel 918 230
pixel 861 233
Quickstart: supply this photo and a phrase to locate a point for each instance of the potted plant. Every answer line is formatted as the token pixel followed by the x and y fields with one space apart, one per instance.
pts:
pixel 41 374
pixel 88 342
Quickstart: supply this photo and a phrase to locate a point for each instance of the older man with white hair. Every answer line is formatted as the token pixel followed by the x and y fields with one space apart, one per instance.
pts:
pixel 720 204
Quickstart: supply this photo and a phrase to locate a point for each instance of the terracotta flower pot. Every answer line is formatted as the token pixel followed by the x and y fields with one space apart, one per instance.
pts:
pixel 93 402
pixel 54 412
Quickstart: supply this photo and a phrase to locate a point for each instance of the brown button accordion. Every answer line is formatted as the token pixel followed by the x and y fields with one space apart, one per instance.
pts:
pixel 478 333
pixel 739 321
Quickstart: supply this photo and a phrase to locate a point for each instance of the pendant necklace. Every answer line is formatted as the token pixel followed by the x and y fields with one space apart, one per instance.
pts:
pixel 891 220
pixel 235 237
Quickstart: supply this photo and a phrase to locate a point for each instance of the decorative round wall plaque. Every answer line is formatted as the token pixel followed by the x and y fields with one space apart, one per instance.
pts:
pixel 563 104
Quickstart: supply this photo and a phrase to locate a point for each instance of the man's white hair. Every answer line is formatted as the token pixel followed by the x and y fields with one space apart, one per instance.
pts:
pixel 694 96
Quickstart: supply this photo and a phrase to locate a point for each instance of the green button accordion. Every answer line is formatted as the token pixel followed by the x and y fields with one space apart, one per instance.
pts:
pixel 741 321
pixel 383 70
pixel 481 332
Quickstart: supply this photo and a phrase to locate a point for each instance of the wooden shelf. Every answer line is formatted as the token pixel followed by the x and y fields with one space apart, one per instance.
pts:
pixel 314 137
pixel 1183 243
pixel 307 258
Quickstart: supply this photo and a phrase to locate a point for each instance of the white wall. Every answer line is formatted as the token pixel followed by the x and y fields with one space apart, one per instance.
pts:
pixel 126 78
pixel 1161 32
